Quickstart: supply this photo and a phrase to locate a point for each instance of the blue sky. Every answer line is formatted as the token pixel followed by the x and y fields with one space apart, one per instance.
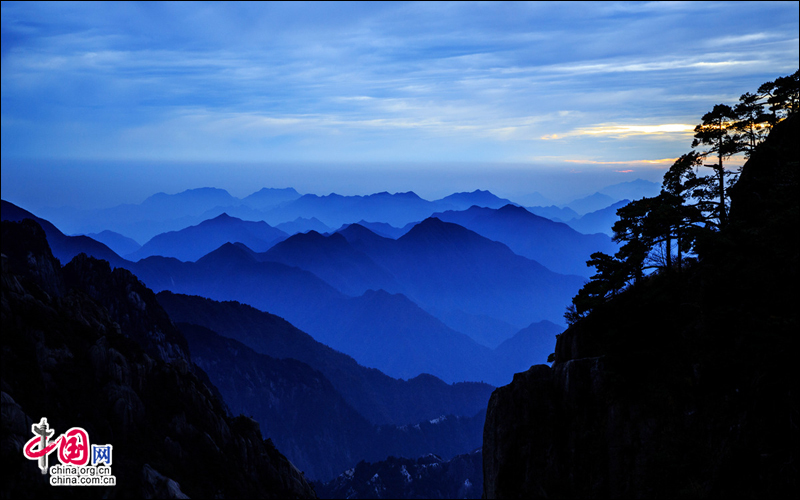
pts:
pixel 360 97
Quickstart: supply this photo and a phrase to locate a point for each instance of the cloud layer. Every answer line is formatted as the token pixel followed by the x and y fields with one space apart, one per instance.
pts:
pixel 413 82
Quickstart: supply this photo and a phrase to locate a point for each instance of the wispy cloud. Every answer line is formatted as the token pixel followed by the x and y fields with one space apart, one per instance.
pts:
pixel 417 77
pixel 625 131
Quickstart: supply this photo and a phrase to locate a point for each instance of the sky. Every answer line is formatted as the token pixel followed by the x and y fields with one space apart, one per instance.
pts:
pixel 104 103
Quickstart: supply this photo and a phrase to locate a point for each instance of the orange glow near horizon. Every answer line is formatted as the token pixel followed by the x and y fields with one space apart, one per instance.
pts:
pixel 659 162
pixel 623 131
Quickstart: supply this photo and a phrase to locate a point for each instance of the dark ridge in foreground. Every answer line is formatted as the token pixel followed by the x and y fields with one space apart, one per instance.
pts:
pixel 424 477
pixel 681 386
pixel 88 347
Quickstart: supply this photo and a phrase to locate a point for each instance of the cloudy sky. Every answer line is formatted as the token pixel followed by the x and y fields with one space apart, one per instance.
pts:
pixel 359 97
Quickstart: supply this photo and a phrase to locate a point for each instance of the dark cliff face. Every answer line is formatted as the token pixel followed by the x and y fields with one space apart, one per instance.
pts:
pixel 89 347
pixel 680 386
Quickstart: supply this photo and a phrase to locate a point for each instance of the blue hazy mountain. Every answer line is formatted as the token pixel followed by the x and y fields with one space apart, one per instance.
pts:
pixel 632 190
pixel 554 213
pixel 378 397
pixel 303 225
pixel 310 303
pixel 590 203
pixel 268 198
pixel 193 242
pixel 555 245
pixel 462 201
pixel 434 255
pixel 391 333
pixel 233 273
pixel 535 342
pixel 120 243
pixel 381 228
pixel 335 210
pixel 64 247
pixel 157 214
pixel 307 417
pixel 483 329
pixel 599 221
pixel 334 260
pixel 446 267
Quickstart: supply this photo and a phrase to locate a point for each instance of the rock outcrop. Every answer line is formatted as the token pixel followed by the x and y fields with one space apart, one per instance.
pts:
pixel 85 346
pixel 681 386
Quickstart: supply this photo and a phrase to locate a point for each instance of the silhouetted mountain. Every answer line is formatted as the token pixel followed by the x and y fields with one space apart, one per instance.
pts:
pixel 268 198
pixel 119 243
pixel 365 240
pixel 590 203
pixel 554 213
pixel 482 329
pixel 530 346
pixel 63 247
pixel 425 477
pixel 301 225
pixel 233 273
pixel 555 245
pixel 193 242
pixel 305 416
pixel 381 229
pixel 391 333
pixel 334 260
pixel 682 385
pixel 446 267
pixel 335 210
pixel 71 352
pixel 189 202
pixel 381 399
pixel 633 190
pixel 462 201
pixel 347 324
pixel 599 221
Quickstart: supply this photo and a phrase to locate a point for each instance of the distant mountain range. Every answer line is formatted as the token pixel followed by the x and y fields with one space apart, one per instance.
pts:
pixel 478 198
pixel 327 286
pixel 596 213
pixel 302 225
pixel 162 212
pixel 600 221
pixel 555 245
pixel 121 244
pixel 193 242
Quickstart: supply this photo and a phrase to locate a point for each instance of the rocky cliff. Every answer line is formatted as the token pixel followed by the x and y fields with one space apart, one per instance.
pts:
pixel 85 346
pixel 682 385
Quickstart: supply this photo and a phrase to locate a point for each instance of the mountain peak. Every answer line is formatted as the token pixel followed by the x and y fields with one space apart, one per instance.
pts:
pixel 433 227
pixel 228 252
